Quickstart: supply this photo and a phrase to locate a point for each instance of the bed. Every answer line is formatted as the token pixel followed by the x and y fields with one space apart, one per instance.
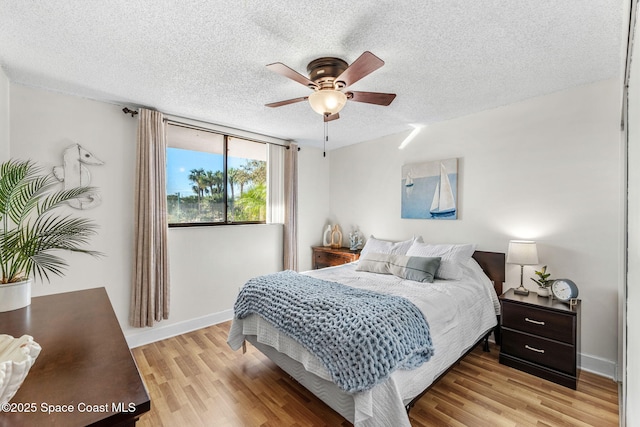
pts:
pixel 460 313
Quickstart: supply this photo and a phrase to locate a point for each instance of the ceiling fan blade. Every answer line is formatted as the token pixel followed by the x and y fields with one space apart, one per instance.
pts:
pixel 366 64
pixel 287 102
pixel 331 117
pixel 280 68
pixel 377 98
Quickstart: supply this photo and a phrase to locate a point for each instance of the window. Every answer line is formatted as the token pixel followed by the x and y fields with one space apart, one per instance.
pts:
pixel 214 178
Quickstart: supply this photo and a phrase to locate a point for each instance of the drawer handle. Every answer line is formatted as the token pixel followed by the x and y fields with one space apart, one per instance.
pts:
pixel 537 350
pixel 533 321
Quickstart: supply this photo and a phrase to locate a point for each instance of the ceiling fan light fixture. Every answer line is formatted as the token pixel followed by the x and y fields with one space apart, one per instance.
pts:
pixel 327 101
pixel 330 78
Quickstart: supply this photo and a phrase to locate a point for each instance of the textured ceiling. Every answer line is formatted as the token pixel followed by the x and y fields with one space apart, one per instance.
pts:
pixel 206 59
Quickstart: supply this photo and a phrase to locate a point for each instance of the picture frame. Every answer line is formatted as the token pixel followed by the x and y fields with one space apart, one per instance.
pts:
pixel 430 190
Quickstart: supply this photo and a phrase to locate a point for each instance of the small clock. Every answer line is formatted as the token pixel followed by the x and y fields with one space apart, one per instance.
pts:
pixel 564 289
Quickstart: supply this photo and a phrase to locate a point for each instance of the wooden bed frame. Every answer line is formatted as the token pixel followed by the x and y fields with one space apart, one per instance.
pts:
pixel 493 265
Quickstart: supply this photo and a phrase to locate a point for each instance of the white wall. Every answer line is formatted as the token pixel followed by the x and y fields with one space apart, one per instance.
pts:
pixel 313 202
pixel 4 116
pixel 632 330
pixel 546 169
pixel 42 125
pixel 207 265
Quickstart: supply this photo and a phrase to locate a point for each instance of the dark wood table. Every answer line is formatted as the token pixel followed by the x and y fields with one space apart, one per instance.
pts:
pixel 85 374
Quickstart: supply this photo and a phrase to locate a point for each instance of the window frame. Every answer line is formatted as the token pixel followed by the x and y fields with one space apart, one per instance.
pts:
pixel 225 150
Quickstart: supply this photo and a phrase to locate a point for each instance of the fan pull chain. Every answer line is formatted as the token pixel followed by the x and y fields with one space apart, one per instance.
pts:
pixel 326 138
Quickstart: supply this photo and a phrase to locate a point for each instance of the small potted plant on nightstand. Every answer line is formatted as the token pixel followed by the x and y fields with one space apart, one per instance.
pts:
pixel 31 230
pixel 543 282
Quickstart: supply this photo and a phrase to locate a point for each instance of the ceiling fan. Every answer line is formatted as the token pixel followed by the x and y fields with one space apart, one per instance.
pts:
pixel 330 78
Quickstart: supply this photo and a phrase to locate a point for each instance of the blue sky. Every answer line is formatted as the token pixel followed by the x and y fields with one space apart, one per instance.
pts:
pixel 180 162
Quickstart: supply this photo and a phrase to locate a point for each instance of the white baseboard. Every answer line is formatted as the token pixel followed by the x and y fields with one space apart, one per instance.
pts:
pixel 163 332
pixel 596 365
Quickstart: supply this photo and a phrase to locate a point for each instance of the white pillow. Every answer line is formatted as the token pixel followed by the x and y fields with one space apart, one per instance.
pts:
pixel 451 256
pixel 374 245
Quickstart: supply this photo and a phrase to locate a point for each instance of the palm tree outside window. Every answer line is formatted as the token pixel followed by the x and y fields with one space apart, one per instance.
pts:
pixel 214 178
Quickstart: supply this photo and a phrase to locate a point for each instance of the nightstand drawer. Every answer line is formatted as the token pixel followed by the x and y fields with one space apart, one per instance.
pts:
pixel 328 257
pixel 540 322
pixel 552 354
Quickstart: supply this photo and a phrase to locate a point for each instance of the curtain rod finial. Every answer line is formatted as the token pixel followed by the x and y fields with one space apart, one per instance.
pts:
pixel 128 111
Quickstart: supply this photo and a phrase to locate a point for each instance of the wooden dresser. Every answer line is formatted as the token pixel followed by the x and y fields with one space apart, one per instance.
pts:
pixel 327 257
pixel 85 374
pixel 540 336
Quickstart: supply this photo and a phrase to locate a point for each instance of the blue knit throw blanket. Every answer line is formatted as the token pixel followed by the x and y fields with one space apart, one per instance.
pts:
pixel 361 336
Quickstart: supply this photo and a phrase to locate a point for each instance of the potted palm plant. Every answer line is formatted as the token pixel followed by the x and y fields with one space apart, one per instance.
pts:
pixel 32 230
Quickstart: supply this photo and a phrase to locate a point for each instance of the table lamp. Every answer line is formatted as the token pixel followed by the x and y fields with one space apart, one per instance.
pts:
pixel 522 252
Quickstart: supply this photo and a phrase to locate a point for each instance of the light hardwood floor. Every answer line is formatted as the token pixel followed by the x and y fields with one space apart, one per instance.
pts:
pixel 195 379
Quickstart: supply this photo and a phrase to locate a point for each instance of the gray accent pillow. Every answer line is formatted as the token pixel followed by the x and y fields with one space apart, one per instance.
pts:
pixel 374 262
pixel 452 256
pixel 419 269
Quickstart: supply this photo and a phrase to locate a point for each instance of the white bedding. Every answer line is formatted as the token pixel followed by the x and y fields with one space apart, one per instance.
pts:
pixel 459 313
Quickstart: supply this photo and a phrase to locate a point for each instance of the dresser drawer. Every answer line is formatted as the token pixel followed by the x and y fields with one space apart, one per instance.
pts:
pixel 552 354
pixel 544 323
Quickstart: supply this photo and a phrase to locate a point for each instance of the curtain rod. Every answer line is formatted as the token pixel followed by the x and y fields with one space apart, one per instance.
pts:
pixel 204 129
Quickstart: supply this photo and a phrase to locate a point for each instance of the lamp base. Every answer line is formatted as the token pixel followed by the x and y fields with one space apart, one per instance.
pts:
pixel 521 291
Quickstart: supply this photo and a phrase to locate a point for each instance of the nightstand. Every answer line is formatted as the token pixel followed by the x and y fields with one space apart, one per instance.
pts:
pixel 540 336
pixel 327 257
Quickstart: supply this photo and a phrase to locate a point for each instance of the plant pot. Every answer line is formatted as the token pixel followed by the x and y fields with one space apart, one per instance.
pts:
pixel 15 295
pixel 543 292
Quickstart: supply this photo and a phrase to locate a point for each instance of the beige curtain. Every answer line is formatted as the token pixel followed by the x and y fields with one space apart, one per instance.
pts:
pixel 291 208
pixel 150 287
pixel 275 184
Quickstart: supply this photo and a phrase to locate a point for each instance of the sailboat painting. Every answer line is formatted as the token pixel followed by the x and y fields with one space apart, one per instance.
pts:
pixel 429 190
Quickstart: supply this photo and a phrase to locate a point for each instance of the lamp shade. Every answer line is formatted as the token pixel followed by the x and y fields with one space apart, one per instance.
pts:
pixel 327 101
pixel 522 252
